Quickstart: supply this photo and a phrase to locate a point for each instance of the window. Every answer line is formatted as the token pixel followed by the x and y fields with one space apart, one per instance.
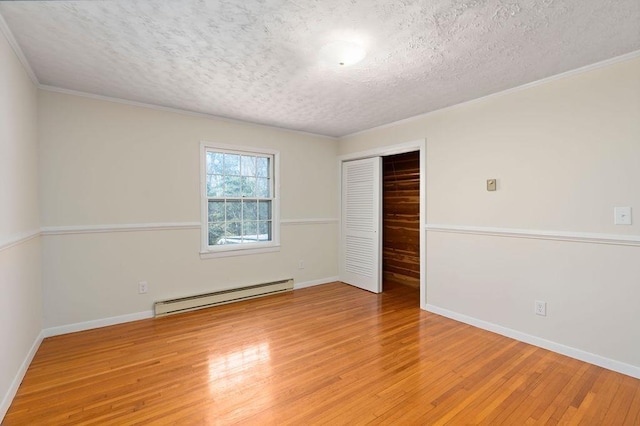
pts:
pixel 239 200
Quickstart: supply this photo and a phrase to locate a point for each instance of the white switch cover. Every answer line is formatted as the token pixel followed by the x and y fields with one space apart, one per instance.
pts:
pixel 622 215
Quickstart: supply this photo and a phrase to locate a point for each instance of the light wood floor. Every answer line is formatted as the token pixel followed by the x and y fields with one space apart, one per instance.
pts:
pixel 330 354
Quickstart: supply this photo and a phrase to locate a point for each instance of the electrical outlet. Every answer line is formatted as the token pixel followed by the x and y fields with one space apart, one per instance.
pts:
pixel 143 287
pixel 300 264
pixel 541 308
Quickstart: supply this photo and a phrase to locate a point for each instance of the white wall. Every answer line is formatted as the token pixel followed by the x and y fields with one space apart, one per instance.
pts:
pixel 106 163
pixel 20 278
pixel 565 153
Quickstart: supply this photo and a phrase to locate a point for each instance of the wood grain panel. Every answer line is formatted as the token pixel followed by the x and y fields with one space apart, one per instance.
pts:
pixel 330 354
pixel 401 219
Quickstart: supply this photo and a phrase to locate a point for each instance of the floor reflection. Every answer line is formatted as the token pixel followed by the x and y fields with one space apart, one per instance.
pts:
pixel 232 369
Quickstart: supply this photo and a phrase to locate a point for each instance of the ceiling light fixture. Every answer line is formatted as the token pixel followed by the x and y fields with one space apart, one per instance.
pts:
pixel 342 53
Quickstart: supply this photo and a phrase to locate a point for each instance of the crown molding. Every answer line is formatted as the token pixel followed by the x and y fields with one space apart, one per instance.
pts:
pixel 607 62
pixel 4 28
pixel 8 34
pixel 189 113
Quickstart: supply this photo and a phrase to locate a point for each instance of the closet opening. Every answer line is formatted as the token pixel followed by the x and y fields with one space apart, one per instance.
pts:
pixel 401 221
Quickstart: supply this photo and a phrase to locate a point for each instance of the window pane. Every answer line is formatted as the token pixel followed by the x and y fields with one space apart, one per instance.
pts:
pixel 263 189
pixel 248 186
pixel 216 232
pixel 233 186
pixel 249 210
pixel 233 233
pixel 263 167
pixel 232 164
pixel 215 186
pixel 249 232
pixel 214 163
pixel 264 231
pixel 234 211
pixel 248 166
pixel 264 210
pixel 210 162
pixel 216 211
pixel 239 192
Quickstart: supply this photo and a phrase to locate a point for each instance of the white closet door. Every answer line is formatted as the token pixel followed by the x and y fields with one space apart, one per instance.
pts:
pixel 361 237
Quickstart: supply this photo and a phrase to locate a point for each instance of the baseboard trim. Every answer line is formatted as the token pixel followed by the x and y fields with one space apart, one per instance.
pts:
pixel 580 237
pixel 298 286
pixel 89 325
pixel 600 361
pixel 13 389
pixel 105 322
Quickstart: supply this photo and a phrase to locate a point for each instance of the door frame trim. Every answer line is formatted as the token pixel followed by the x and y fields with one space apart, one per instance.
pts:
pixel 417 145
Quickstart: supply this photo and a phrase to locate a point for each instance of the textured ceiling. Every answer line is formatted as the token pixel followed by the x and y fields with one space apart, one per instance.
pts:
pixel 258 60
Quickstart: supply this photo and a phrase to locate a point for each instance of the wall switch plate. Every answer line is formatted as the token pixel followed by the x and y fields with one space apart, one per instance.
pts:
pixel 491 184
pixel 143 287
pixel 541 308
pixel 300 264
pixel 622 215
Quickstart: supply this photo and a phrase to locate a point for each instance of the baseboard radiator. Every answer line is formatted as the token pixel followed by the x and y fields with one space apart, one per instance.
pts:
pixel 191 303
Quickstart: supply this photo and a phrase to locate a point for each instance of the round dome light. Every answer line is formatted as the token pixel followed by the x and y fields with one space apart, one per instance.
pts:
pixel 342 53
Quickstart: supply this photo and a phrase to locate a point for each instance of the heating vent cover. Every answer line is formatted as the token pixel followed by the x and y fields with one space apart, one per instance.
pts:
pixel 192 303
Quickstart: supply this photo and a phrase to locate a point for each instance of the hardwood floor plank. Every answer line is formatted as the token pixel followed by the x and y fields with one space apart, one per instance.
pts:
pixel 632 416
pixel 330 354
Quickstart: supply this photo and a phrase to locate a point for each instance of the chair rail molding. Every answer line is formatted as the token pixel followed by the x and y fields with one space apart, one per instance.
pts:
pixel 581 237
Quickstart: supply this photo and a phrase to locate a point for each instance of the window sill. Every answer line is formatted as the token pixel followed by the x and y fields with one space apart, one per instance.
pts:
pixel 212 254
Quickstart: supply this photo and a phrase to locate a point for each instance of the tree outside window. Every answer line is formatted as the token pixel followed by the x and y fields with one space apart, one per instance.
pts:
pixel 240 195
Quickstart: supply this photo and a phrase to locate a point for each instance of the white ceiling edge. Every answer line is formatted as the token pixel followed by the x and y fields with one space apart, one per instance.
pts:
pixel 4 28
pixel 8 34
pixel 607 62
pixel 177 111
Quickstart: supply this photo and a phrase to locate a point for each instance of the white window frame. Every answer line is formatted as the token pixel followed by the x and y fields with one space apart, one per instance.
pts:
pixel 207 251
